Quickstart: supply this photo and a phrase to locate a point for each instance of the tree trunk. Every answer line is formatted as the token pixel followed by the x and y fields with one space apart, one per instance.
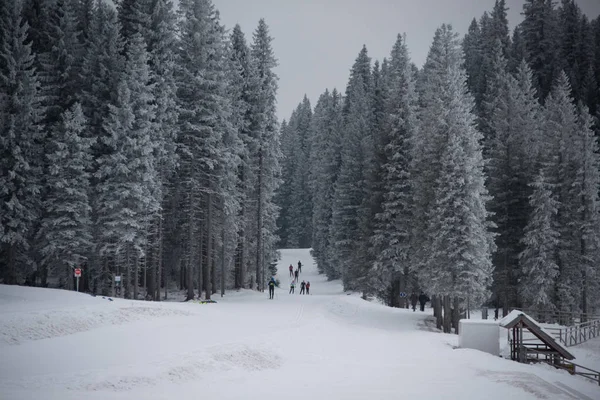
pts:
pixel 191 255
pixel 159 257
pixel 447 315
pixel 439 321
pixel 209 247
pixel 136 276
pixel 223 255
pixel 456 315
pixel 259 238
pixel 201 263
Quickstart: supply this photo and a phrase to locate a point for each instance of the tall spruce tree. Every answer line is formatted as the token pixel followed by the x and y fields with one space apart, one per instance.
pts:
pixel 21 141
pixel 348 198
pixel 537 260
pixel 325 160
pixel 265 158
pixel 393 222
pixel 65 235
pixel 457 241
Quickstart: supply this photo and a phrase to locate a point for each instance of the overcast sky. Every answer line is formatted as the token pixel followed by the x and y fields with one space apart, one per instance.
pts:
pixel 316 41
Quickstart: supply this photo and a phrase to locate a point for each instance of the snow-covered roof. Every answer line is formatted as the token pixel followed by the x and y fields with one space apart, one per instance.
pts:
pixel 516 316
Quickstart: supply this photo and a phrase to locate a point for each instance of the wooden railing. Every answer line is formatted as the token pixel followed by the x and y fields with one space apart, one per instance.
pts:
pixel 572 368
pixel 576 369
pixel 577 334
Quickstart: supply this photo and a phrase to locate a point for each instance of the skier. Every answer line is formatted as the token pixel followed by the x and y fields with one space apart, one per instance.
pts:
pixel 413 300
pixel 302 287
pixel 307 287
pixel 296 275
pixel 272 288
pixel 292 286
pixel 291 270
pixel 422 300
pixel 299 266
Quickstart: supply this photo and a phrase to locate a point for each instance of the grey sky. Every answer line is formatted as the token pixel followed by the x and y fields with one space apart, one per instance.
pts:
pixel 316 41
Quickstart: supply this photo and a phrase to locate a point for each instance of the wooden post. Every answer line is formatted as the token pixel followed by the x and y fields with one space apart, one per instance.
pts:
pixel 456 315
pixel 438 306
pixel 447 315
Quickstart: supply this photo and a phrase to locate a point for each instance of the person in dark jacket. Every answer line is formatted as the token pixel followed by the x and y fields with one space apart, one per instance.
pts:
pixel 272 288
pixel 302 287
pixel 299 266
pixel 296 275
pixel 413 300
pixel 422 300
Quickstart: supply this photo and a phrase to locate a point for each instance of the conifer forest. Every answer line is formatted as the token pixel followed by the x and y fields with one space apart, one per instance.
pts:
pixel 141 141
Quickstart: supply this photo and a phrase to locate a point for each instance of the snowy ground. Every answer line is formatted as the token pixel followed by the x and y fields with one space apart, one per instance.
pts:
pixel 63 345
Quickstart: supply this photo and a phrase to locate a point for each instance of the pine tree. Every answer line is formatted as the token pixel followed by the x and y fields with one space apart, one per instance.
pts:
pixel 241 97
pixel 65 233
pixel 393 222
pixel 348 198
pixel 540 241
pixel 472 48
pixel 128 194
pixel 585 193
pixel 21 141
pixel 513 163
pixel 457 244
pixel 161 52
pixel 263 128
pixel 299 212
pixel 559 129
pixel 539 38
pixel 325 160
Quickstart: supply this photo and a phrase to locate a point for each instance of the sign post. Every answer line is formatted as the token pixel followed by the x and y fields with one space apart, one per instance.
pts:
pixel 78 275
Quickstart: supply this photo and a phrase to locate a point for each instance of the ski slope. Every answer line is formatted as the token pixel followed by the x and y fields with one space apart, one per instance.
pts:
pixel 57 345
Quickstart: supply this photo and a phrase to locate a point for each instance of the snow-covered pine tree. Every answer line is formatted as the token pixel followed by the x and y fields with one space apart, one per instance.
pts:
pixel 458 244
pixel 299 202
pixel 21 149
pixel 161 48
pixel 127 196
pixel 134 17
pixel 473 47
pixel 61 63
pixel 240 86
pixel 65 235
pixel 348 198
pixel 265 159
pixel 512 164
pixel 283 197
pixel 538 258
pixel 205 127
pixel 517 50
pixel 559 129
pixel 585 193
pixel 393 223
pixel 325 160
pixel 539 33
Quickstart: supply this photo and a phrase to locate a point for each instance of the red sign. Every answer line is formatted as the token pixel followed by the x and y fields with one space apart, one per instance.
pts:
pixel 77 272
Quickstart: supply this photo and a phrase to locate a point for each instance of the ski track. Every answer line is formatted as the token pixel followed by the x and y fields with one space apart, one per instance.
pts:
pixel 61 345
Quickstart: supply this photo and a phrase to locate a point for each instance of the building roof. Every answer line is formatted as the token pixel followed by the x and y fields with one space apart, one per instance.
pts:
pixel 515 317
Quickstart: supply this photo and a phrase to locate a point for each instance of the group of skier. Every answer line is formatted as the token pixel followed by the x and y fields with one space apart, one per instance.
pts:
pixel 304 287
pixel 294 274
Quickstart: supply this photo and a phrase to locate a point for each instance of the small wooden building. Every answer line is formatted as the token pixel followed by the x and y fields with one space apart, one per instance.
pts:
pixel 542 348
